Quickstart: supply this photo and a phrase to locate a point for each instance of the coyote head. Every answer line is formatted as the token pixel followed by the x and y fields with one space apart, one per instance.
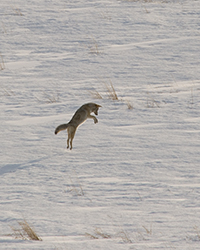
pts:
pixel 95 108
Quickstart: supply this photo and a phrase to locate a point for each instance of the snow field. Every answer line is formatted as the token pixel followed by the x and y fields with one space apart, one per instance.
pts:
pixel 133 177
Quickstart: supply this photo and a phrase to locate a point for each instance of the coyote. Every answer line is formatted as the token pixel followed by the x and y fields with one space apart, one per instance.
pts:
pixel 78 118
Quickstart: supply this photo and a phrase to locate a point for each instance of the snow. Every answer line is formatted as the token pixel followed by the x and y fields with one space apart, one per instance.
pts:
pixel 131 180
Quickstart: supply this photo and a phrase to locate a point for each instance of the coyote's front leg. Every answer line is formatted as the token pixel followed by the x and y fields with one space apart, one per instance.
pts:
pixel 93 117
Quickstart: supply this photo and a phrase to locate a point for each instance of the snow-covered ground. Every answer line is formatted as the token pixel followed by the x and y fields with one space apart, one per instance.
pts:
pixel 132 181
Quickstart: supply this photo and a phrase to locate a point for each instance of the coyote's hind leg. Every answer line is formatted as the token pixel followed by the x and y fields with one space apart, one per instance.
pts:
pixel 72 137
pixel 71 133
pixel 68 141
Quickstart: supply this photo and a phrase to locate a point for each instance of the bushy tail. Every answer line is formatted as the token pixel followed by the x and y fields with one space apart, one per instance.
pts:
pixel 61 127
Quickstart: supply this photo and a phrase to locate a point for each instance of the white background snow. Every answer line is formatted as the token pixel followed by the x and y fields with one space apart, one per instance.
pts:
pixel 134 176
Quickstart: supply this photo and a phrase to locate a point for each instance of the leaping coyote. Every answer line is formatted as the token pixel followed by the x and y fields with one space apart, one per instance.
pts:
pixel 78 118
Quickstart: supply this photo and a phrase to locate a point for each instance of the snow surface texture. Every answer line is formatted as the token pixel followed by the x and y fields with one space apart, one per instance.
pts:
pixel 132 181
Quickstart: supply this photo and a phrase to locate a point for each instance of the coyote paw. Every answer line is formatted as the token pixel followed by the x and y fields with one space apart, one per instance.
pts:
pixel 95 120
